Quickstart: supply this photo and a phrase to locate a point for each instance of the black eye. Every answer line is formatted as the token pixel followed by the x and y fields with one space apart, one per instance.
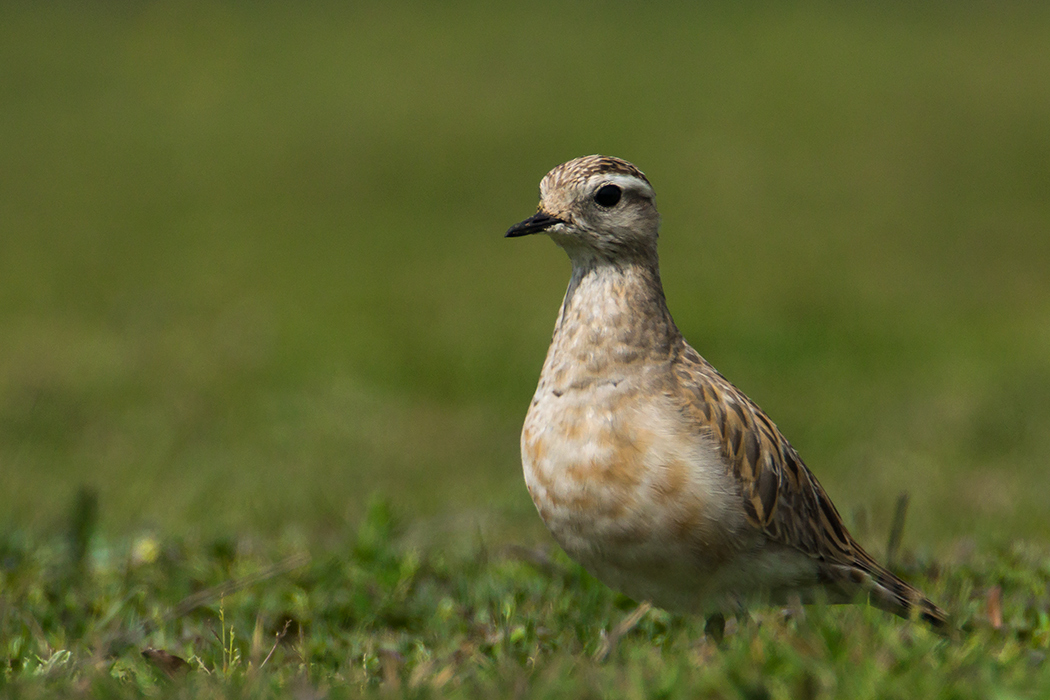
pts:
pixel 607 195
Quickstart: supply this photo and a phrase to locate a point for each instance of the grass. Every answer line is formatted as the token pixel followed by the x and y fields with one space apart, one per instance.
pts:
pixel 251 271
pixel 374 615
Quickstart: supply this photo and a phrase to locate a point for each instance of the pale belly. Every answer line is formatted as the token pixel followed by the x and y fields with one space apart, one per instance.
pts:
pixel 643 503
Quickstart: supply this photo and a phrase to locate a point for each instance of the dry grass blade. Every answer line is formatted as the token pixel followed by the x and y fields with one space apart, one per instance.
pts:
pixel 900 512
pixel 995 607
pixel 280 635
pixel 192 602
pixel 626 625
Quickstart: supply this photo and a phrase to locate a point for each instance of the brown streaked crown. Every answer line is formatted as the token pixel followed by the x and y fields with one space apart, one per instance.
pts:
pixel 580 169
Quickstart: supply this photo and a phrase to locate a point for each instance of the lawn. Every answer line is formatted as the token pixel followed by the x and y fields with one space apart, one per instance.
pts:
pixel 253 279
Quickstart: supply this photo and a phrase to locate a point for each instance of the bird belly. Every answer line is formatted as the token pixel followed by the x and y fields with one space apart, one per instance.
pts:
pixel 645 506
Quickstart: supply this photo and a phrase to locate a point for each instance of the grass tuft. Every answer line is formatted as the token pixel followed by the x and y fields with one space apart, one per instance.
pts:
pixel 373 614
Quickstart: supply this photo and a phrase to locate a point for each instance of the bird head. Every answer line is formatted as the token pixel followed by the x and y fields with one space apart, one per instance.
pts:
pixel 596 206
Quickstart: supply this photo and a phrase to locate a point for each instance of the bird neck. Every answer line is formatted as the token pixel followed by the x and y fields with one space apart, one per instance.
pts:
pixel 617 306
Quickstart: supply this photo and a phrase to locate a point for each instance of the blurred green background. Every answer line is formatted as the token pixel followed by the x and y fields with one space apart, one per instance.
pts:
pixel 252 266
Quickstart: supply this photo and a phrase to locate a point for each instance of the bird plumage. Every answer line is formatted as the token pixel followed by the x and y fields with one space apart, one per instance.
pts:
pixel 646 464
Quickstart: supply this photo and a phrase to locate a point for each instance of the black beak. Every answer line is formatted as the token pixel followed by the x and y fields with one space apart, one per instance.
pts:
pixel 537 223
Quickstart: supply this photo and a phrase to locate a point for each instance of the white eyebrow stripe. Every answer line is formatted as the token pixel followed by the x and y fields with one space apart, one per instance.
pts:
pixel 627 182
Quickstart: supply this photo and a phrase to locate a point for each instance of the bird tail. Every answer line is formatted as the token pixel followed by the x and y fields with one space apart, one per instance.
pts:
pixel 888 592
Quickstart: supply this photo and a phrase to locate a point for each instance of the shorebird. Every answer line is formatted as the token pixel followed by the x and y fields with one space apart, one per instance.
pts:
pixel 649 467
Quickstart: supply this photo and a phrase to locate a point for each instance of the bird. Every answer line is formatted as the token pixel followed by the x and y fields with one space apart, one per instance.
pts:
pixel 648 467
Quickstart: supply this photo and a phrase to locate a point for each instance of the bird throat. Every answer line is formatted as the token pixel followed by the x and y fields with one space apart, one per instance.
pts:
pixel 614 313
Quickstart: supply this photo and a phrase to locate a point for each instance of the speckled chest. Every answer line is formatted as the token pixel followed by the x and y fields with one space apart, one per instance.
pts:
pixel 641 502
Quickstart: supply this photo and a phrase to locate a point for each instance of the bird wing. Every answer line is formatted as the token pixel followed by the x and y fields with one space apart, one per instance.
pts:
pixel 782 498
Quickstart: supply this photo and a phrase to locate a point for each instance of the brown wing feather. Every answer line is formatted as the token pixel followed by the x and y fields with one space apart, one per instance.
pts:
pixel 781 496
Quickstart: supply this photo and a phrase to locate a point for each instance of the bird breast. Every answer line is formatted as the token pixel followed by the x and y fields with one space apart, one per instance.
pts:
pixel 622 487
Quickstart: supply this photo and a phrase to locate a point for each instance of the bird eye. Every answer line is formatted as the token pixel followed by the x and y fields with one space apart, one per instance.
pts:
pixel 607 195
